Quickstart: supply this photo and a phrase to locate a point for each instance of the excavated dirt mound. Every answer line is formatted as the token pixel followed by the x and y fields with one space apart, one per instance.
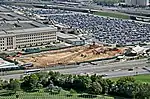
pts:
pixel 70 55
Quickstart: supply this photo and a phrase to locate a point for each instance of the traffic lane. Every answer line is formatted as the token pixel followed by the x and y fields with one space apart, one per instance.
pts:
pixel 134 63
pixel 125 73
pixel 110 74
pixel 113 74
pixel 91 69
pixel 110 66
pixel 99 63
pixel 103 68
pixel 14 76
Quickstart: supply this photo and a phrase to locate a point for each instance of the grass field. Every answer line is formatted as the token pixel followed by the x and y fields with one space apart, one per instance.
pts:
pixel 42 95
pixel 139 78
pixel 114 15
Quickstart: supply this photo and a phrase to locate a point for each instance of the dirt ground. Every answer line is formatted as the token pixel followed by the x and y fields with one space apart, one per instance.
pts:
pixel 70 55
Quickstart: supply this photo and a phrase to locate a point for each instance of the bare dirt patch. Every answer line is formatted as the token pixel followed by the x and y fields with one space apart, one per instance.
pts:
pixel 71 55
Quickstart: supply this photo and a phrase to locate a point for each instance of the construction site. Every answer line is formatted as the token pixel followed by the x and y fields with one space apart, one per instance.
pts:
pixel 70 55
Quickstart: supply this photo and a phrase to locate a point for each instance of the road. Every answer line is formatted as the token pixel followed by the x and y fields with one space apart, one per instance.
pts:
pixel 126 73
pixel 117 69
pixel 102 67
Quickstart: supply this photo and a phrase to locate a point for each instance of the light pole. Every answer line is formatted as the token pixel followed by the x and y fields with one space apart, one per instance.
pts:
pixel 89 6
pixel 148 61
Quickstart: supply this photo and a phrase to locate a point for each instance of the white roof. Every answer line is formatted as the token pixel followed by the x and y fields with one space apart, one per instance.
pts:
pixel 32 30
pixel 139 49
pixel 120 57
pixel 65 36
pixel 15 66
pixel 6 64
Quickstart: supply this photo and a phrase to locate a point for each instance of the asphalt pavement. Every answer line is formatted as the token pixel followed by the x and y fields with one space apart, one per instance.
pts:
pixel 116 69
pixel 102 67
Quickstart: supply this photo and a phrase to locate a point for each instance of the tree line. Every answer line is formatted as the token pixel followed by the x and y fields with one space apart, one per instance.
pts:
pixel 54 81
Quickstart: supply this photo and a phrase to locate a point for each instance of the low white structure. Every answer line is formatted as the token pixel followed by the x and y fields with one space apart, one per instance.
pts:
pixel 70 39
pixel 139 50
pixel 6 65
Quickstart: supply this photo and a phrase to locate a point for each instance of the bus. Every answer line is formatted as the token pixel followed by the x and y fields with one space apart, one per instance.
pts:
pixel 31 71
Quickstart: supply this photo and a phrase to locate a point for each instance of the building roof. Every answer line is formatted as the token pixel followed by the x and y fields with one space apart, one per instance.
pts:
pixel 2 9
pixel 2 32
pixel 6 64
pixel 10 16
pixel 15 24
pixel 32 30
pixel 139 49
pixel 75 40
pixel 65 36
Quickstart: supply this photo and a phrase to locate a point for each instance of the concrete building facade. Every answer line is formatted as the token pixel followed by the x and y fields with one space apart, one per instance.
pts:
pixel 13 39
pixel 18 31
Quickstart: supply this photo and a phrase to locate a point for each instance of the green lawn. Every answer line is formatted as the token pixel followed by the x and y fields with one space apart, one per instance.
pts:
pixel 42 95
pixel 139 78
pixel 113 14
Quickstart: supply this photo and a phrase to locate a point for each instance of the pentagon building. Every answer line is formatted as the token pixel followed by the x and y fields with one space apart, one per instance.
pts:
pixel 18 31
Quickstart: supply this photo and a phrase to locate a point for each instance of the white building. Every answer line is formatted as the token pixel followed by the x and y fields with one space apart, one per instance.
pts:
pixel 6 65
pixel 139 50
pixel 137 2
pixel 12 39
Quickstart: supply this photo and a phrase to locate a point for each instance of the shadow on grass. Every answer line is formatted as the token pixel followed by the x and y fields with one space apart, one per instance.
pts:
pixel 31 91
pixel 69 95
pixel 87 96
pixel 117 97
pixel 6 93
pixel 53 93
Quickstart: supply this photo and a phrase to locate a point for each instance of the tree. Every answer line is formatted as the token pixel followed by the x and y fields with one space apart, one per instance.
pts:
pixel 82 83
pixel 33 81
pixel 94 78
pixel 43 78
pixel 96 88
pixel 126 86
pixel 1 84
pixel 53 89
pixel 30 82
pixel 110 84
pixel 104 85
pixel 130 89
pixel 69 82
pixel 143 91
pixel 54 76
pixel 72 91
pixel 5 84
pixel 14 85
pixel 39 86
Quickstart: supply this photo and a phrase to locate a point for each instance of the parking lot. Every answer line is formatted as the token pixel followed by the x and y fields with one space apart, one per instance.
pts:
pixel 100 29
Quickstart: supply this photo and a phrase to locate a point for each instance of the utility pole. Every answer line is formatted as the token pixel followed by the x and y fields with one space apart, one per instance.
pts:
pixel 148 61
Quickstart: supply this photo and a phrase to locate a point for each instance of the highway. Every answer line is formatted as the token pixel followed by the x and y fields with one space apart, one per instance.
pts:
pixel 126 73
pixel 102 67
pixel 116 69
